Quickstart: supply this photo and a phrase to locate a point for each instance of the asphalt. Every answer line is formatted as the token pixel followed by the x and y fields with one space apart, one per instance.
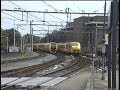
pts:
pixel 83 81
pixel 101 84
pixel 75 82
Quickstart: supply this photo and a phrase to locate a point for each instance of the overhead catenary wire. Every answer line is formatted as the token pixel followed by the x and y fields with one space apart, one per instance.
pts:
pixel 12 16
pixel 25 10
pixel 24 15
pixel 17 19
pixel 19 14
pixel 50 12
pixel 37 17
pixel 53 8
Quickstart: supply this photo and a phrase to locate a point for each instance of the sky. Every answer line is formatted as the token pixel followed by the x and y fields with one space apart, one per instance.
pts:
pixel 7 18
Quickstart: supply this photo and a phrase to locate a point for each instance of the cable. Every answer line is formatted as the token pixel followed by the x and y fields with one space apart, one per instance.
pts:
pixel 29 13
pixel 12 16
pixel 24 15
pixel 22 8
pixel 54 9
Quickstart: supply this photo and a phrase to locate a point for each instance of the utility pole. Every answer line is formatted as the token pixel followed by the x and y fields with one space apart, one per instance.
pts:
pixel 67 11
pixel 114 13
pixel 95 40
pixel 14 33
pixel 113 33
pixel 70 17
pixel 48 35
pixel 96 45
pixel 103 47
pixel 30 35
pixel 88 36
pixel 92 69
pixel 21 42
pixel 109 61
pixel 7 44
pixel 32 40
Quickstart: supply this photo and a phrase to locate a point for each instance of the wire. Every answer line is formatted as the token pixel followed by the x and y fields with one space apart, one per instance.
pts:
pixel 50 5
pixel 54 9
pixel 12 16
pixel 23 9
pixel 29 13
pixel 24 15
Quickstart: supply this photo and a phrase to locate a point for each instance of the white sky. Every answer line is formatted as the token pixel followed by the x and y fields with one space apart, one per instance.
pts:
pixel 76 6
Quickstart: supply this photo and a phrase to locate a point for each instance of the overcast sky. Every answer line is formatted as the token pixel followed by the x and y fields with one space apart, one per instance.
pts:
pixel 7 18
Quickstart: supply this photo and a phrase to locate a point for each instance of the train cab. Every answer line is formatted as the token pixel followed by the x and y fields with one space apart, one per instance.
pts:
pixel 73 47
pixel 53 47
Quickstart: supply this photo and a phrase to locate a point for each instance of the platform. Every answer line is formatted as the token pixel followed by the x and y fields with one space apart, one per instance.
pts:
pixel 31 81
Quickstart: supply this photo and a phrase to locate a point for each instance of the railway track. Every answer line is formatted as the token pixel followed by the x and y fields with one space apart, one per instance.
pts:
pixel 29 71
pixel 68 70
pixel 53 69
pixel 75 66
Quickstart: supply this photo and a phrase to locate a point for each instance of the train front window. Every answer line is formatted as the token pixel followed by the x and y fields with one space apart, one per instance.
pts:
pixel 53 44
pixel 75 44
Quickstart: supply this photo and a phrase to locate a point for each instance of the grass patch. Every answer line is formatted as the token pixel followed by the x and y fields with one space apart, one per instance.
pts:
pixel 18 56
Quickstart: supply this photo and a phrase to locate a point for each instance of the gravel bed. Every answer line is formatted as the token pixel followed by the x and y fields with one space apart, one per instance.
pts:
pixel 21 64
pixel 56 67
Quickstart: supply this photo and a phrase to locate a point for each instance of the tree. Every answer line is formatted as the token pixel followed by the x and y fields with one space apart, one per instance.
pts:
pixel 3 40
pixel 10 34
pixel 26 37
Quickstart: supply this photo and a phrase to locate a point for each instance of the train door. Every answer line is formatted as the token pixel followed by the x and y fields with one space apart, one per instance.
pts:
pixel 68 47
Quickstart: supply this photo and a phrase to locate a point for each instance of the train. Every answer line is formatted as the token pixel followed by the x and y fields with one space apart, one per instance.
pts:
pixel 53 47
pixel 69 47
pixel 47 47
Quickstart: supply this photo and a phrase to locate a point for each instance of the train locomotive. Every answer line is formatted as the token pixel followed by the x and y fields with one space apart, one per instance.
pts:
pixel 69 47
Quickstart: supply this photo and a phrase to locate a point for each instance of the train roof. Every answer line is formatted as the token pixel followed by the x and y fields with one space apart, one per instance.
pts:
pixel 72 42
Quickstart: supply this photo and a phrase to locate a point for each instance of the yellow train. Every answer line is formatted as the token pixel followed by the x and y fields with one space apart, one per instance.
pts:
pixel 69 47
pixel 47 47
pixel 53 47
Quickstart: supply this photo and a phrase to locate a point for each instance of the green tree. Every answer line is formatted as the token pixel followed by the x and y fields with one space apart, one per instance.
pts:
pixel 26 37
pixel 10 34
